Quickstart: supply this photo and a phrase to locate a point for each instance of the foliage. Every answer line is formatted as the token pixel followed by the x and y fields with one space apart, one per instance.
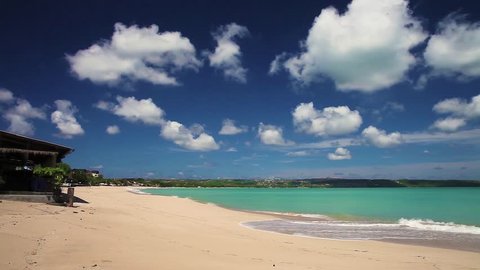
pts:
pixel 79 176
pixel 65 167
pixel 84 177
pixel 57 174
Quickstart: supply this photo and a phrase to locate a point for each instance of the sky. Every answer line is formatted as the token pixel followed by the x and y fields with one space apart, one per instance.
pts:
pixel 248 89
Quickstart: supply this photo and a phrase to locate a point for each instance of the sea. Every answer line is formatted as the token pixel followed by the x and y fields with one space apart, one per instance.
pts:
pixel 441 217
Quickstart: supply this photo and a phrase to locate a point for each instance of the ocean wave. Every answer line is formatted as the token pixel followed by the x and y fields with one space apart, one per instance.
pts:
pixel 361 225
pixel 137 191
pixel 430 225
pixel 317 216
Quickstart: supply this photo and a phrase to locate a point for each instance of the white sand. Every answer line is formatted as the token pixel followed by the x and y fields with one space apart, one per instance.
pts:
pixel 122 230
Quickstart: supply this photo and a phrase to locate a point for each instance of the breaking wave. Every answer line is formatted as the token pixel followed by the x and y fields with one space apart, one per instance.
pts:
pixel 430 225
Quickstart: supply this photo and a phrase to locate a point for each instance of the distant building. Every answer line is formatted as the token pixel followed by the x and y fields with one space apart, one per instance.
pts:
pixel 94 174
pixel 20 154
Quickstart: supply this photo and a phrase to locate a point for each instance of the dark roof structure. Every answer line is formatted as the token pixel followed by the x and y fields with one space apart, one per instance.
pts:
pixel 14 143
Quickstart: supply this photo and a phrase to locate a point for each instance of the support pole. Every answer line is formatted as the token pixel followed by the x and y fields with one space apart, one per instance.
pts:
pixel 70 193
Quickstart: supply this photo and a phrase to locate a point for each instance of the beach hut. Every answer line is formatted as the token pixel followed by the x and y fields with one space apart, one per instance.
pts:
pixel 20 154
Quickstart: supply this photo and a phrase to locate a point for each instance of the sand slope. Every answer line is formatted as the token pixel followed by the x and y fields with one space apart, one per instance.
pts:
pixel 121 230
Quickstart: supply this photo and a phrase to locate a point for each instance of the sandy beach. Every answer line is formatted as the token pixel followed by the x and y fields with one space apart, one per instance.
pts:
pixel 118 229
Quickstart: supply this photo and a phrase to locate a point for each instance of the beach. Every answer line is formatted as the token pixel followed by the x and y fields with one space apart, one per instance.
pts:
pixel 117 229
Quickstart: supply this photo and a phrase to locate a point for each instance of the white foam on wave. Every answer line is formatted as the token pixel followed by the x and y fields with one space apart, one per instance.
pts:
pixel 418 224
pixel 430 225
pixel 363 225
pixel 323 217
pixel 137 191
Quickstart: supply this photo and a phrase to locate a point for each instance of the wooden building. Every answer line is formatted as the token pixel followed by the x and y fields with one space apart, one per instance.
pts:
pixel 20 154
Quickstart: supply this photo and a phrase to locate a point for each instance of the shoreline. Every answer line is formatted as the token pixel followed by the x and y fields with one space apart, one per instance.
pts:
pixel 115 229
pixel 464 245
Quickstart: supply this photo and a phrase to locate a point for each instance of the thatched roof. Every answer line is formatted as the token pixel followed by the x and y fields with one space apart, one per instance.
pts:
pixel 23 151
pixel 14 143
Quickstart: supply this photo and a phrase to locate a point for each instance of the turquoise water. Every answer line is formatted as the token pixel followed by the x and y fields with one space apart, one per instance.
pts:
pixel 457 205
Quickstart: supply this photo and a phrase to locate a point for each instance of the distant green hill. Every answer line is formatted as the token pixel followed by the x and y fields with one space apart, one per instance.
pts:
pixel 293 183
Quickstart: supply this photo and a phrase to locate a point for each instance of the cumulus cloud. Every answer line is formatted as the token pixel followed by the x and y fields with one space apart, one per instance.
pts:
pixel 20 115
pixel 192 139
pixel 461 111
pixel 6 95
pixel 147 112
pixel 459 107
pixel 366 49
pixel 272 135
pixel 227 54
pixel 454 49
pixel 329 121
pixel 449 124
pixel 229 128
pixel 135 110
pixel 340 154
pixel 112 130
pixel 380 138
pixel 135 53
pixel 64 118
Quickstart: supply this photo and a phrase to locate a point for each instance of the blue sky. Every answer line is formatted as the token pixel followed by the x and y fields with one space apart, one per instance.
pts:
pixel 208 89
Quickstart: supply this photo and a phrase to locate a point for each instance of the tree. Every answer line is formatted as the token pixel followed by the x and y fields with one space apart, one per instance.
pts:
pixel 56 174
pixel 79 176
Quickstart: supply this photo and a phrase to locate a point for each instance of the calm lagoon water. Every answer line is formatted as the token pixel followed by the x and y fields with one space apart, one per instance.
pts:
pixel 355 213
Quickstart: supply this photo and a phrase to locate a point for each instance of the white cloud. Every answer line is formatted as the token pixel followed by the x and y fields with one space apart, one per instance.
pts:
pixel 272 135
pixel 135 110
pixel 103 105
pixel 388 109
pixel 64 118
pixel 6 95
pixel 449 124
pixel 20 115
pixel 196 140
pixel 471 136
pixel 277 64
pixel 329 121
pixel 135 53
pixel 147 112
pixel 393 106
pixel 112 130
pixel 232 149
pixel 302 153
pixel 414 170
pixel 227 54
pixel 380 138
pixel 367 48
pixel 465 136
pixel 461 109
pixel 454 49
pixel 328 144
pixel 229 128
pixel 340 154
